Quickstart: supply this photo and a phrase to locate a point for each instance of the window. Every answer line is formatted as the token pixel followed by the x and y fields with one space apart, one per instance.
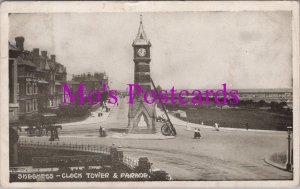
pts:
pixel 35 104
pixel 18 89
pixel 28 88
pixel 31 88
pixel 35 89
pixel 52 89
pixel 28 106
pixel 50 103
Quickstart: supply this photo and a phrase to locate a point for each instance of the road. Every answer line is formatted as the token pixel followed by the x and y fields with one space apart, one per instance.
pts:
pixel 218 155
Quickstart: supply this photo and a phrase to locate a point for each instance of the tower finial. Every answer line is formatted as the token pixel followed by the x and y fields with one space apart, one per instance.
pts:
pixel 141 19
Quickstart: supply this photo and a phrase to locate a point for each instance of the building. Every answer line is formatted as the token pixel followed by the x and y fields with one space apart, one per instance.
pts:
pixel 38 86
pixel 14 52
pixel 90 81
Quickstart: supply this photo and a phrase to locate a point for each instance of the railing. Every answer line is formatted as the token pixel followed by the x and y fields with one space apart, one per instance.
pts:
pixel 130 162
pixel 63 146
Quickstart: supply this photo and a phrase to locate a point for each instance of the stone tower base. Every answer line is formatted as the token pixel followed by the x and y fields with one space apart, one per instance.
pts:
pixel 141 118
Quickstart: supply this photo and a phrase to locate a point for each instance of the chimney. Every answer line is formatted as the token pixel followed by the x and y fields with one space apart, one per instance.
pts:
pixel 36 52
pixel 44 54
pixel 20 42
pixel 53 57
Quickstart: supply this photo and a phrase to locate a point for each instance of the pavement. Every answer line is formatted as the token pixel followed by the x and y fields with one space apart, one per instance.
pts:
pixel 218 155
pixel 157 136
pixel 93 118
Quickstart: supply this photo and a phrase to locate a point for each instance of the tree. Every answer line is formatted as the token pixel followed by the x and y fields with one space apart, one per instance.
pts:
pixel 261 103
pixel 158 88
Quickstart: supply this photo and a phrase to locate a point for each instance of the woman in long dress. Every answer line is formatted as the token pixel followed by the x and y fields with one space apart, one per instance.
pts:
pixel 199 134
pixel 195 133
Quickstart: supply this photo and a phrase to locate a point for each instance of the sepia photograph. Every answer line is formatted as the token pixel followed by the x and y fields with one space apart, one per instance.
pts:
pixel 140 95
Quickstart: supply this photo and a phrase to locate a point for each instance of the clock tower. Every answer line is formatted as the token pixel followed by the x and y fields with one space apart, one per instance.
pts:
pixel 141 116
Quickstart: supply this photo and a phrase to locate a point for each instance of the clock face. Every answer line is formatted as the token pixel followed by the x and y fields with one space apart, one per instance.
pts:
pixel 141 52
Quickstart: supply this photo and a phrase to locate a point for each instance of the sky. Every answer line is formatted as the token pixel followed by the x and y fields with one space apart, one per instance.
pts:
pixel 192 50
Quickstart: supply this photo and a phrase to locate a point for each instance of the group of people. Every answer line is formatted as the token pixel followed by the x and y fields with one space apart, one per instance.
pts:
pixel 197 133
pixel 102 132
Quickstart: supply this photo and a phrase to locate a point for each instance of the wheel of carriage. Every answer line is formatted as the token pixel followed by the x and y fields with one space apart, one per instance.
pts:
pixel 167 130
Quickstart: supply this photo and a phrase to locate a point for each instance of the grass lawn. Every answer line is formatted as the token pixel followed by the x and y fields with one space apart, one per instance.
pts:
pixel 72 119
pixel 237 118
pixel 279 158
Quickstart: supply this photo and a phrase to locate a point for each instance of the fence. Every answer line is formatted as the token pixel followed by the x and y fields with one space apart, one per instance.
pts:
pixel 100 149
pixel 131 163
pixel 64 146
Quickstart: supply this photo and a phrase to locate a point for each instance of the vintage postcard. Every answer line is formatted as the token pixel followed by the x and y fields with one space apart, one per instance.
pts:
pixel 149 94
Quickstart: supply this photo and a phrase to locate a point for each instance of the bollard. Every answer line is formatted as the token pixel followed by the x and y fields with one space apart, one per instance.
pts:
pixel 289 162
pixel 144 165
pixel 114 155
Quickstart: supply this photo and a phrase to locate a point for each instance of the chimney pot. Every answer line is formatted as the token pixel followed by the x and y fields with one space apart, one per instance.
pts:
pixel 36 52
pixel 53 57
pixel 44 54
pixel 20 42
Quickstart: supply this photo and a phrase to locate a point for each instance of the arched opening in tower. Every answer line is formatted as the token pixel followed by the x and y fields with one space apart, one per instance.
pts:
pixel 143 121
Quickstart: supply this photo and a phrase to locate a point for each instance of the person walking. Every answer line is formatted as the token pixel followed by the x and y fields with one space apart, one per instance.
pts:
pixel 199 133
pixel 103 132
pixel 217 126
pixel 188 127
pixel 195 133
pixel 100 131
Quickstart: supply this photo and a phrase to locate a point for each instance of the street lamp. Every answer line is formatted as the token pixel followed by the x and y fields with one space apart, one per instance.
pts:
pixel 289 162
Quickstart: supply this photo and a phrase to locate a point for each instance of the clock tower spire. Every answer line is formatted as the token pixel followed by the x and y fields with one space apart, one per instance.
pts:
pixel 141 37
pixel 140 110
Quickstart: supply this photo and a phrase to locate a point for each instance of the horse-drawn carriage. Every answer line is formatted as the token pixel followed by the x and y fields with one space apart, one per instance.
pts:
pixel 41 124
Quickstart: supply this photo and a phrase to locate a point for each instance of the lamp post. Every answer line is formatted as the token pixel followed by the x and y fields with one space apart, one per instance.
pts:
pixel 289 162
